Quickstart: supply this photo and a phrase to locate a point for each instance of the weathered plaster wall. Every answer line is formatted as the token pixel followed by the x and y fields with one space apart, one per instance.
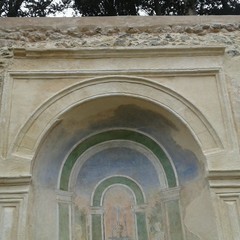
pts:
pixel 129 32
pixel 174 79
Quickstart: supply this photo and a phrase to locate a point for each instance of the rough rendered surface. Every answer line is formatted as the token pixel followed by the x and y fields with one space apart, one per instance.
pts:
pixel 128 32
pixel 124 128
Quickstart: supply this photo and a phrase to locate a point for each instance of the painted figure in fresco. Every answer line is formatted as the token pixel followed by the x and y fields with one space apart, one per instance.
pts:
pixel 119 225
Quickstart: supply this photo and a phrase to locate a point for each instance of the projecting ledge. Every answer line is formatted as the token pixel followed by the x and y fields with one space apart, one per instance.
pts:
pixel 224 179
pixel 15 181
pixel 120 52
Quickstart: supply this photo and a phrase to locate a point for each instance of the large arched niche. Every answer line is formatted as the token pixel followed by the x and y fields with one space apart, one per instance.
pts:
pixel 46 115
pixel 175 211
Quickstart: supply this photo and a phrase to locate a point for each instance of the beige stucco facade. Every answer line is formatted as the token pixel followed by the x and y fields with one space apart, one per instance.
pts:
pixel 145 106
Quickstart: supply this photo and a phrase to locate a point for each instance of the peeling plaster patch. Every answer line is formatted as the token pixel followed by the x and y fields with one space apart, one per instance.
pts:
pixel 200 213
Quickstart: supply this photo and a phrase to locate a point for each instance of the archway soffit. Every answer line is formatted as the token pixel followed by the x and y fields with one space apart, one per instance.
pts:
pixel 49 112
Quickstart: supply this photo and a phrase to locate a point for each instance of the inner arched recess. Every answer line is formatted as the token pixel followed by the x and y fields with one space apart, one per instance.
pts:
pixel 117 112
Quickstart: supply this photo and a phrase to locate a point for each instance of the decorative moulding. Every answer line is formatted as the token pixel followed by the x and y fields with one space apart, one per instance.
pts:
pixel 15 181
pixel 120 52
pixel 224 179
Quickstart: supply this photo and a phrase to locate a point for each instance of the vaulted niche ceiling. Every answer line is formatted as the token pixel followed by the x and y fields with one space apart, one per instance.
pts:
pixel 122 163
pixel 127 113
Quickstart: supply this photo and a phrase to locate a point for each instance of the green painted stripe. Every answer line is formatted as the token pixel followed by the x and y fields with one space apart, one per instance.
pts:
pixel 116 135
pixel 175 223
pixel 117 180
pixel 141 226
pixel 96 227
pixel 63 221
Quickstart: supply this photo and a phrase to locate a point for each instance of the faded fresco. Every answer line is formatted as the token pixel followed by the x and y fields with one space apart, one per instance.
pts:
pixel 119 221
pixel 132 206
pixel 126 172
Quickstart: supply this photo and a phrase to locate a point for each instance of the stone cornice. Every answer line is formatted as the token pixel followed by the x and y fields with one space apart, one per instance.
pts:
pixel 15 181
pixel 224 179
pixel 229 174
pixel 120 52
pixel 120 21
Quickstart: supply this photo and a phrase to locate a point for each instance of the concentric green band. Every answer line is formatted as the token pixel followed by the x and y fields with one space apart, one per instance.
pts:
pixel 137 137
pixel 117 180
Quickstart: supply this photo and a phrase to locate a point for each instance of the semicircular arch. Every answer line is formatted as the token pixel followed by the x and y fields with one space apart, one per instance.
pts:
pixel 33 131
pixel 123 180
pixel 113 144
pixel 117 134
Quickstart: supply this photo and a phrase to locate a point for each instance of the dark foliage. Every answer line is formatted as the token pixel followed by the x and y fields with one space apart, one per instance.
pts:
pixel 107 7
pixel 30 8
pixel 157 7
pixel 218 7
pixel 153 7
